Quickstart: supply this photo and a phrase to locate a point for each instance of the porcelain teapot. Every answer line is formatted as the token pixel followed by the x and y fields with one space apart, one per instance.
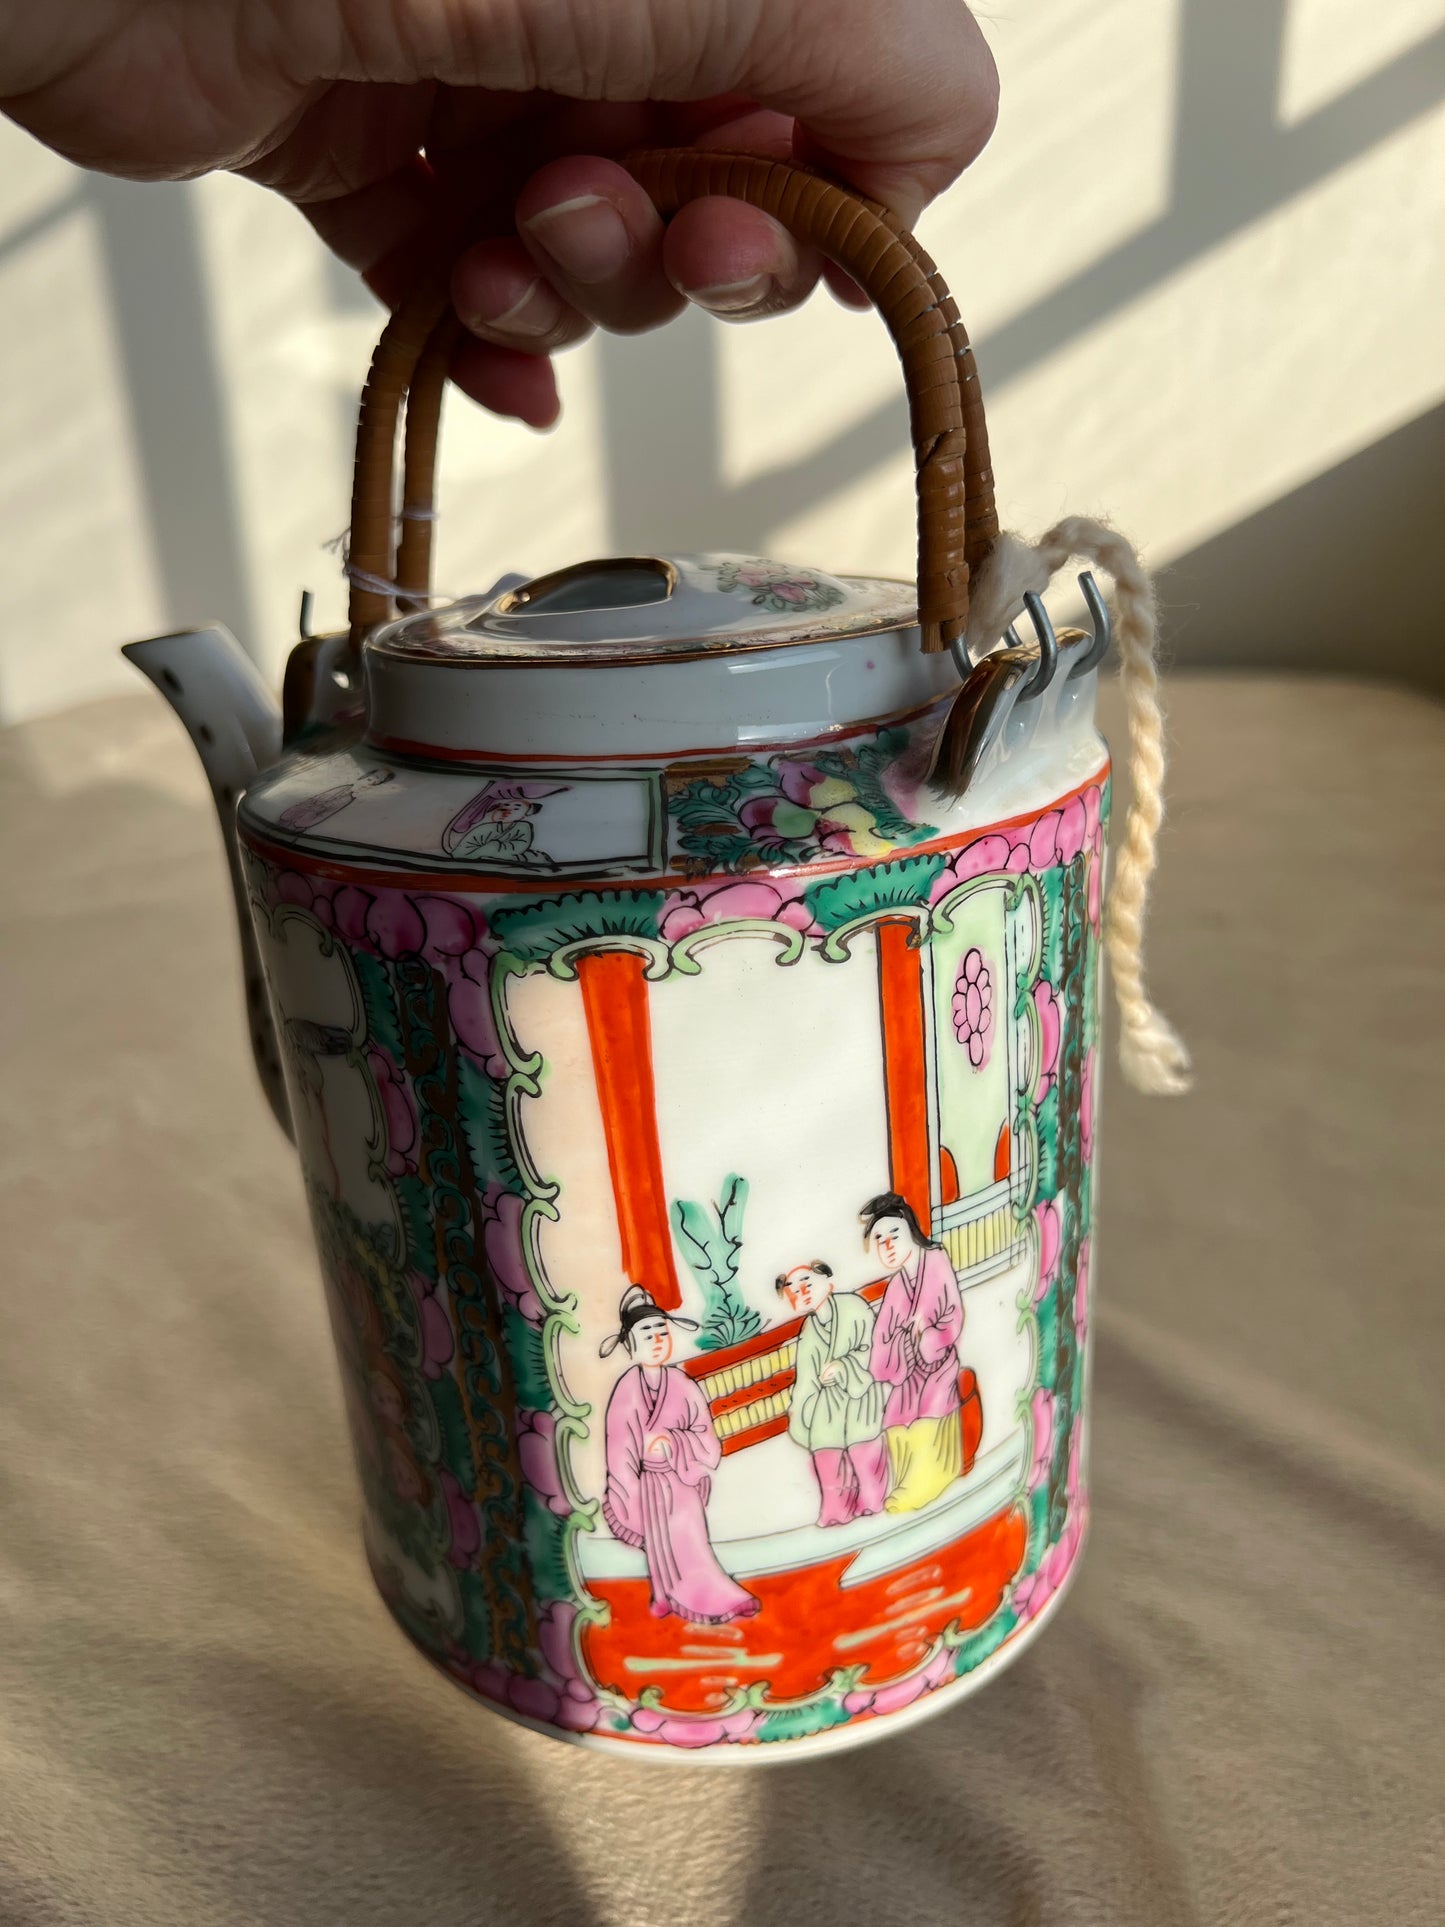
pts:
pixel 680 978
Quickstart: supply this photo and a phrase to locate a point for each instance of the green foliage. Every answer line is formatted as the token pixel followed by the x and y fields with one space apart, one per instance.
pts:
pixel 476 1616
pixel 710 1243
pixel 421 1251
pixel 796 1722
pixel 529 1361
pixel 1047 1119
pixel 899 885
pixel 532 932
pixel 1048 1317
pixel 715 834
pixel 483 1108
pixel 864 768
pixel 1051 891
pixel 545 1535
pixel 378 1001
pixel 456 1452
pixel 977 1647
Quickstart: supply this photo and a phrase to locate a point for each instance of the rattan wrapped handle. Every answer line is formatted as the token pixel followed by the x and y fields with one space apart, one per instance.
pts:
pixel 957 522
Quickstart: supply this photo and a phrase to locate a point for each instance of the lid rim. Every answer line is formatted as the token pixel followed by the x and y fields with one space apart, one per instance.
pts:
pixel 488 630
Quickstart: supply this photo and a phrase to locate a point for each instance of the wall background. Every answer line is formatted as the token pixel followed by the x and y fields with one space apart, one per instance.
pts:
pixel 1200 261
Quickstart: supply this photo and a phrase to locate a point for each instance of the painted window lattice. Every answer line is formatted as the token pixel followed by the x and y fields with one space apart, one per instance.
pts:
pixel 465 1429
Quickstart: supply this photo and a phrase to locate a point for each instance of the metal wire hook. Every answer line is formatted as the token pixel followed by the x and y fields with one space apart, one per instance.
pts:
pixel 1048 649
pixel 1103 630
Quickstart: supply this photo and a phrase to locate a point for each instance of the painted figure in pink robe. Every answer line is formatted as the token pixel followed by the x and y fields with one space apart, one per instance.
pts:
pixel 837 1406
pixel 915 1353
pixel 661 1451
pixel 312 810
pixel 496 823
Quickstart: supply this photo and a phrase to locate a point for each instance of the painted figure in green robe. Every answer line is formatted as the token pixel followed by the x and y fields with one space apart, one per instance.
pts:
pixel 837 1408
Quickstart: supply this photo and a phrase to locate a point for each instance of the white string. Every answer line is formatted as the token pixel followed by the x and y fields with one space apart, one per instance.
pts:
pixel 1152 1055
pixel 340 545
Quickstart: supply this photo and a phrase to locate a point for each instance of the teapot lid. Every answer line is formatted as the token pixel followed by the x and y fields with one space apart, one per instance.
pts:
pixel 641 607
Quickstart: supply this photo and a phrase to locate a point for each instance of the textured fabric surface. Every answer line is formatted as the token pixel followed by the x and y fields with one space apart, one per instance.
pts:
pixel 207 1718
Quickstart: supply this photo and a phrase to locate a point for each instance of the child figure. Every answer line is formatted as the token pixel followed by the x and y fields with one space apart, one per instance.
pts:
pixel 661 1451
pixel 837 1410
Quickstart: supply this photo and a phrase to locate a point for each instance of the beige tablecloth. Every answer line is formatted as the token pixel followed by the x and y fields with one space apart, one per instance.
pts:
pixel 205 1714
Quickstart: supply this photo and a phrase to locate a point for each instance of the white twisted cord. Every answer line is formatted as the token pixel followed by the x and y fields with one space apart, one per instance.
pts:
pixel 1152 1055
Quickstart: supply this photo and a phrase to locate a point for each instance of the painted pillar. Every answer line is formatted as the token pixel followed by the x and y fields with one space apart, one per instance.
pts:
pixel 905 1066
pixel 614 998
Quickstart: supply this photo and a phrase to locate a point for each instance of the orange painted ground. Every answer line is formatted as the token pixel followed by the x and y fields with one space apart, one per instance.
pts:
pixel 888 1624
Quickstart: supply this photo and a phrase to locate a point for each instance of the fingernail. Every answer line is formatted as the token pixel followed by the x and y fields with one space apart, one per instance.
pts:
pixel 733 297
pixel 536 311
pixel 586 237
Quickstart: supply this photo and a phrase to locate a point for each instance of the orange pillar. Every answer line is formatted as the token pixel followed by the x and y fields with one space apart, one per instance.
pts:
pixel 905 1074
pixel 614 998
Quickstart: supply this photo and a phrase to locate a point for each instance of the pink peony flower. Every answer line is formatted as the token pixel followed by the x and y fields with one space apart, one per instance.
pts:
pixel 1041 1407
pixel 1018 859
pixel 450 929
pixel 1050 1030
pixel 469 1002
pixel 798 780
pixel 537 1450
pixel 537 1698
pixel 740 900
pixel 902 1692
pixel 395 926
pixel 682 916
pixel 437 1342
pixel 1044 841
pixel 466 1535
pixel 560 1696
pixel 1046 1216
pixel 398 1108
pixel 973 1007
pixel 502 1239
pixel 1092 801
pixel 489 1679
pixel 985 854
pixel 291 887
pixel 1061 1554
pixel 350 906
pixel 692 1729
pixel 1031 1594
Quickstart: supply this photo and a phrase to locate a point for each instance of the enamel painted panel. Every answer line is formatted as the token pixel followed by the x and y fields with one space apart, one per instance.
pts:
pixel 708 1254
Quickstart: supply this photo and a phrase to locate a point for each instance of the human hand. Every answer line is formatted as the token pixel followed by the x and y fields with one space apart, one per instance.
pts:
pixel 404 128
pixel 659 1446
pixel 829 1372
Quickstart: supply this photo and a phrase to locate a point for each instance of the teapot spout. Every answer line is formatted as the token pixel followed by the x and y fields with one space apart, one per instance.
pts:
pixel 235 723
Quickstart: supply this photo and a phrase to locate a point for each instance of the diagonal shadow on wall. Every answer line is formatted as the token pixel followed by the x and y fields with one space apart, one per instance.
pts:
pixel 149 243
pixel 1332 578
pixel 1232 163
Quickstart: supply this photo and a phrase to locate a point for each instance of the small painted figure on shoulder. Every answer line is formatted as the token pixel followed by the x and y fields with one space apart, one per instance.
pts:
pixel 312 810
pixel 497 823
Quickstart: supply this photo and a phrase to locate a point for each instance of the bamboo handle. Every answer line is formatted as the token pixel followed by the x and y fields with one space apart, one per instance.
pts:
pixel 957 522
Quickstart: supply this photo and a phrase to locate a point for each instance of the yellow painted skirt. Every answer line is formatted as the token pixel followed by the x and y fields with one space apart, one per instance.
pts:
pixel 923 1458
